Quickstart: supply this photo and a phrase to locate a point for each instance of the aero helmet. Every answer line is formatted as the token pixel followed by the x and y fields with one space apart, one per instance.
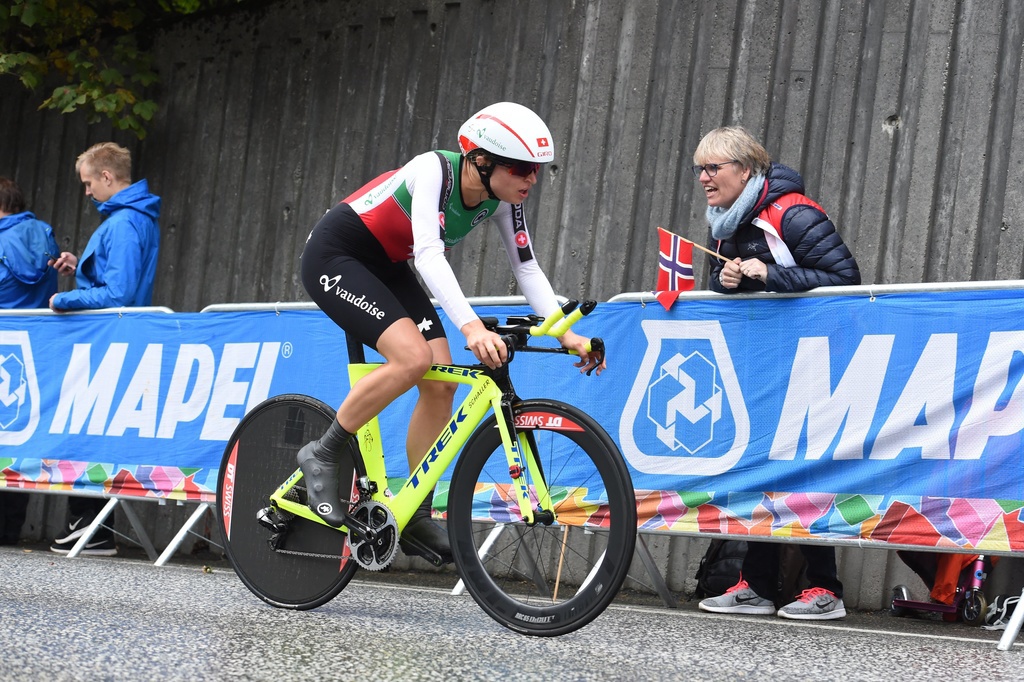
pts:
pixel 508 131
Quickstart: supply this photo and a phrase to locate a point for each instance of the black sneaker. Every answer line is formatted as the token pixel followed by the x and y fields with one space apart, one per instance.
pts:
pixel 103 547
pixel 100 544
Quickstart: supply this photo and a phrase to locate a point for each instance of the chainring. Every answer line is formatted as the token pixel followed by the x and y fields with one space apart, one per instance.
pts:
pixel 376 554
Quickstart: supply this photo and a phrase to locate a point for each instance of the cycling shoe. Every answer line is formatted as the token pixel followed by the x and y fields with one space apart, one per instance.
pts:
pixel 423 530
pixel 321 479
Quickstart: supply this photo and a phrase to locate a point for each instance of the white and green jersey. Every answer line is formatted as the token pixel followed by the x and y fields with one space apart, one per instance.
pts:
pixel 417 212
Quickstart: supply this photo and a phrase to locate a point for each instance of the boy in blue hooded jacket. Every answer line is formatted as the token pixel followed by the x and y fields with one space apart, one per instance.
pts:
pixel 116 269
pixel 118 265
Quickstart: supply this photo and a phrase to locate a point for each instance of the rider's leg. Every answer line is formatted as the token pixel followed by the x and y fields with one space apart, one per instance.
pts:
pixel 432 411
pixel 319 459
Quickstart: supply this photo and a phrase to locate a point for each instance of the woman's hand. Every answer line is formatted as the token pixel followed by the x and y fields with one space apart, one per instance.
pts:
pixel 485 344
pixel 573 341
pixel 730 275
pixel 754 269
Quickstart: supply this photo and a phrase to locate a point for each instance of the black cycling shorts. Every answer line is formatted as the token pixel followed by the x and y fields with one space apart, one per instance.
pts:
pixel 347 273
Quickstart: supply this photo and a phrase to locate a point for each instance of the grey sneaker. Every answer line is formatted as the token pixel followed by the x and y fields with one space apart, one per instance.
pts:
pixel 816 603
pixel 738 599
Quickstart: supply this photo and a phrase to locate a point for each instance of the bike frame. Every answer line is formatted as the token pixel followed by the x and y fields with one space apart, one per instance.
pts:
pixel 490 391
pixel 484 397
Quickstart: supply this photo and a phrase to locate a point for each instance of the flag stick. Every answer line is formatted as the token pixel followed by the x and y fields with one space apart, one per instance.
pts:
pixel 707 251
pixel 701 248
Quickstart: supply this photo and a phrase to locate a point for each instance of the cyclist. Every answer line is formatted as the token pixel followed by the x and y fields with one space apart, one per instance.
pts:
pixel 355 267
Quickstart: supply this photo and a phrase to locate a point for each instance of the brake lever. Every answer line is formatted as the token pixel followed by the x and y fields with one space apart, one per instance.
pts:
pixel 597 348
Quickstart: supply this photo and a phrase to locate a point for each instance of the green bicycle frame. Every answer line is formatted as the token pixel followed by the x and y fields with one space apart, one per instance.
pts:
pixel 484 396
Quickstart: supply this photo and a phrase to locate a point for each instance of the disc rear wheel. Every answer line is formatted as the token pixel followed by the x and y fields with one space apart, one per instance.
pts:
pixel 304 564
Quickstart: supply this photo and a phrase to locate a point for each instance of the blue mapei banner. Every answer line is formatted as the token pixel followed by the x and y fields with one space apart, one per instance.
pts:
pixel 89 399
pixel 915 394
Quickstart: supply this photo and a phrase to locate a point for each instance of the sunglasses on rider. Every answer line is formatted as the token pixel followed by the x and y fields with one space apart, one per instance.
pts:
pixel 520 169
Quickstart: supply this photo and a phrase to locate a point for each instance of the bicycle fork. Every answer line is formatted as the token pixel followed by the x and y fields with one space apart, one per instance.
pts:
pixel 523 461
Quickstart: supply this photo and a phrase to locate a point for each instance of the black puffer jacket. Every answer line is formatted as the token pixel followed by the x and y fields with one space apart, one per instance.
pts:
pixel 822 258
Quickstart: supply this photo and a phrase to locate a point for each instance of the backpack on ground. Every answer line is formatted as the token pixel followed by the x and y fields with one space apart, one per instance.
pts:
pixel 720 568
pixel 999 611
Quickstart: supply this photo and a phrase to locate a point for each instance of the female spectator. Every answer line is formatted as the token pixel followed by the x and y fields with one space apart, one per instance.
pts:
pixel 26 281
pixel 771 238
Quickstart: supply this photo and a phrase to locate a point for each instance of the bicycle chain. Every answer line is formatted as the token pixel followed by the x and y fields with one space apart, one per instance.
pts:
pixel 312 555
pixel 374 564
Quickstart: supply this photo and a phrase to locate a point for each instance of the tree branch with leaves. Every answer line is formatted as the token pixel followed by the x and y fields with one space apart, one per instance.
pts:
pixel 98 48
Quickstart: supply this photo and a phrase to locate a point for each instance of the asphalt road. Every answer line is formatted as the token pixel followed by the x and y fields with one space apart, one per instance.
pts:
pixel 122 618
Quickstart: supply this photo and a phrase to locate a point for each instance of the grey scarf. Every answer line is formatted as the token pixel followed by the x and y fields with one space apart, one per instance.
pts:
pixel 725 221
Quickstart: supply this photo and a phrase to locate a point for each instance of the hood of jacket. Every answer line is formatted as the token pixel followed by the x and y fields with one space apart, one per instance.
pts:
pixel 781 179
pixel 26 246
pixel 136 197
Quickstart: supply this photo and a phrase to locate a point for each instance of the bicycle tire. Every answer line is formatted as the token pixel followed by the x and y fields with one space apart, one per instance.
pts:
pixel 585 554
pixel 259 457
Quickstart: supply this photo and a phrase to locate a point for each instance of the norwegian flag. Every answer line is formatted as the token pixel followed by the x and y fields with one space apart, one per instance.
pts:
pixel 675 267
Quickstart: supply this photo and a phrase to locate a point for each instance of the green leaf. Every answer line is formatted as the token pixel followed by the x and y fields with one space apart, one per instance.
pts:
pixel 32 14
pixel 111 76
pixel 146 109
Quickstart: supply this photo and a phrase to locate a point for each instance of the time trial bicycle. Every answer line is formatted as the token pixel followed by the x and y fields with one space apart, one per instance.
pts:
pixel 541 513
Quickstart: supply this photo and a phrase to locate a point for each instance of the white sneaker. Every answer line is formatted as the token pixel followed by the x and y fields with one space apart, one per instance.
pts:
pixel 816 603
pixel 739 599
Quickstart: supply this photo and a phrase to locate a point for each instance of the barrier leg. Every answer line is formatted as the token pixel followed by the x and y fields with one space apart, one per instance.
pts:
pixel 136 524
pixel 482 552
pixel 182 533
pixel 1013 627
pixel 91 529
pixel 654 573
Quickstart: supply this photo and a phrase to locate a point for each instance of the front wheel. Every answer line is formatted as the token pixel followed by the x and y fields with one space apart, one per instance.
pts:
pixel 543 579
pixel 305 564
pixel 973 608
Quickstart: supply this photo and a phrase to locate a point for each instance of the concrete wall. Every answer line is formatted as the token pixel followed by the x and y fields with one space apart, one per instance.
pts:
pixel 901 114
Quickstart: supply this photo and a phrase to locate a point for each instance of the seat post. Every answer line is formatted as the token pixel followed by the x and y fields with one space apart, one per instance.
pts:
pixel 356 353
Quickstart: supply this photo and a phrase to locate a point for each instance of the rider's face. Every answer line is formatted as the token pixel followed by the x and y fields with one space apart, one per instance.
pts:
pixel 509 187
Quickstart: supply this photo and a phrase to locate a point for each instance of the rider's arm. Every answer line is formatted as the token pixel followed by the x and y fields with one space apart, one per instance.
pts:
pixel 433 267
pixel 535 284
pixel 428 245
pixel 532 280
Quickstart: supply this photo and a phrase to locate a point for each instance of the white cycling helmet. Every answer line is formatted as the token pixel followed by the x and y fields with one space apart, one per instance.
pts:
pixel 509 131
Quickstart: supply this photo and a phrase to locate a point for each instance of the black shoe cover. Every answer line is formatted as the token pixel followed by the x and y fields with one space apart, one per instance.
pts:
pixel 321 479
pixel 426 531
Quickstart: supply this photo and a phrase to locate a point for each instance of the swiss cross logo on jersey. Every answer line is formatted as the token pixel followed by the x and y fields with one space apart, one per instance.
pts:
pixel 521 237
pixel 543 142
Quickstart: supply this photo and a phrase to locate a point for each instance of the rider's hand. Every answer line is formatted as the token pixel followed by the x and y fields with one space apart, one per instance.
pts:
pixel 573 341
pixel 485 344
